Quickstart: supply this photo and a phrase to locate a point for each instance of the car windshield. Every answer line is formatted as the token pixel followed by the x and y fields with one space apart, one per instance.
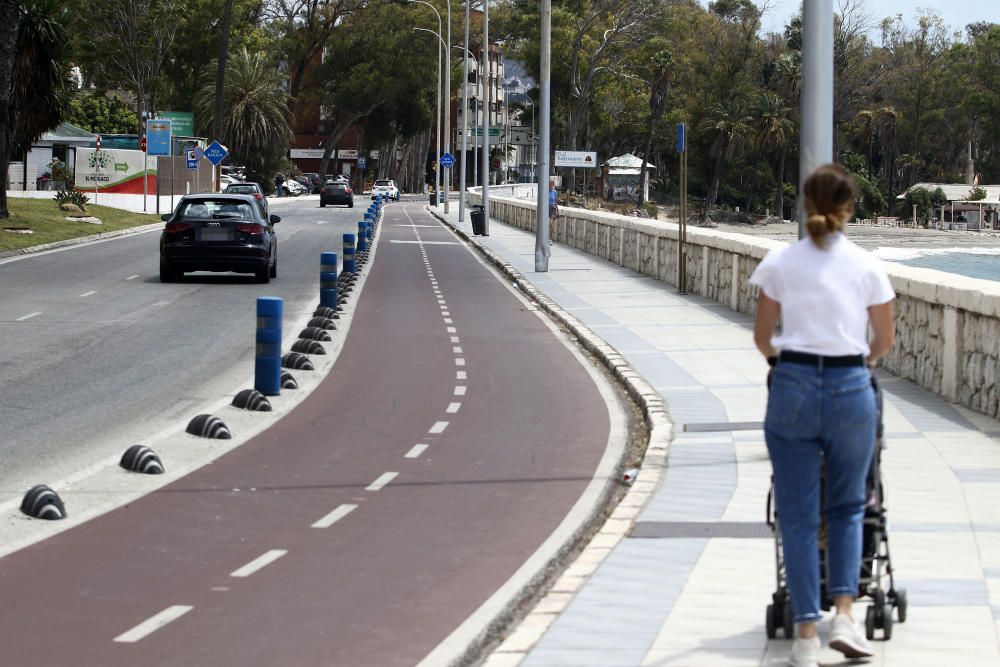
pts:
pixel 215 209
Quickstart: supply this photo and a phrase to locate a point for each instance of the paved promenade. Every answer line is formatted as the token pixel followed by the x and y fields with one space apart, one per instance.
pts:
pixel 688 583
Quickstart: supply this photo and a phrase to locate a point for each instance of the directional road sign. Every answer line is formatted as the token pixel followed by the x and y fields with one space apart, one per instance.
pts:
pixel 216 153
pixel 362 163
pixel 447 160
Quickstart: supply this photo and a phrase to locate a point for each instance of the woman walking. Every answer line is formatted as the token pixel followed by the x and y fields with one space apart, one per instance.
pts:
pixel 821 407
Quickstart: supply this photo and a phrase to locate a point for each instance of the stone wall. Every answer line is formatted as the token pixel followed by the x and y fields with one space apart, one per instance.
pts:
pixel 947 326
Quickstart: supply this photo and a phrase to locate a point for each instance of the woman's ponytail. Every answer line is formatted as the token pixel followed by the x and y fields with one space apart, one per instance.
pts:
pixel 830 192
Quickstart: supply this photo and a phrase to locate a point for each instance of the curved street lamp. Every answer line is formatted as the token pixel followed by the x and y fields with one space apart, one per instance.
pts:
pixel 437 119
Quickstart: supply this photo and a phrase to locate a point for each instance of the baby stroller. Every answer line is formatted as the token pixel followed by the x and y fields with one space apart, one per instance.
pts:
pixel 876 565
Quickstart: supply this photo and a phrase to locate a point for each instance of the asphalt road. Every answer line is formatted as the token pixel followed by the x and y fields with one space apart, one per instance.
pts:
pixel 97 354
pixel 451 439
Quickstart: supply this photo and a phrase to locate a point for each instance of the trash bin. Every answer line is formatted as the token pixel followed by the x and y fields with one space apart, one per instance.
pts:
pixel 478 216
pixel 431 197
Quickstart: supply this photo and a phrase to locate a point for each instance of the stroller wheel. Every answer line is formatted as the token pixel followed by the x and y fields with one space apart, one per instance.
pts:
pixel 900 603
pixel 870 623
pixel 887 622
pixel 787 621
pixel 770 622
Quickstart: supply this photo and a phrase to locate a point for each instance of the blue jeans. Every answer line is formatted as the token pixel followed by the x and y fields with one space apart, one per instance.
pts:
pixel 820 416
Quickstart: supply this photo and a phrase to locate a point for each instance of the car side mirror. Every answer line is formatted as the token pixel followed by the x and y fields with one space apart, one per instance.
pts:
pixel 275 219
pixel 166 217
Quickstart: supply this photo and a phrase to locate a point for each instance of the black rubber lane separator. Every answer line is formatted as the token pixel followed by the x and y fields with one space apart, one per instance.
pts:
pixel 41 502
pixel 141 459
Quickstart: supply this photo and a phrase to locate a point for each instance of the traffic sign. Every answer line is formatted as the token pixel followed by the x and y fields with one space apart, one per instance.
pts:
pixel 681 137
pixel 158 135
pixel 216 153
pixel 362 163
pixel 98 147
pixel 447 160
pixel 142 144
pixel 192 161
pixel 199 152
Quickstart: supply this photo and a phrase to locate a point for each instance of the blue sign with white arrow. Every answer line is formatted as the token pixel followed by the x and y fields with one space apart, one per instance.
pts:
pixel 447 160
pixel 216 153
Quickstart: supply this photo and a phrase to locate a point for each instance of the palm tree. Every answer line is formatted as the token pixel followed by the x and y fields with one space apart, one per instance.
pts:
pixel 866 125
pixel 888 118
pixel 42 84
pixel 256 119
pixel 729 123
pixel 772 132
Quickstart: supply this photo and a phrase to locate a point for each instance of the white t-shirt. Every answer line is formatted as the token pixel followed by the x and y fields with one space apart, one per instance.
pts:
pixel 824 295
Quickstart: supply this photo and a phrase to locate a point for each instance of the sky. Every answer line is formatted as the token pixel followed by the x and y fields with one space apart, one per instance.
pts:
pixel 956 13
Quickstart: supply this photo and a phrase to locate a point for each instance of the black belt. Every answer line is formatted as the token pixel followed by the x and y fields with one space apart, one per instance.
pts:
pixel 821 361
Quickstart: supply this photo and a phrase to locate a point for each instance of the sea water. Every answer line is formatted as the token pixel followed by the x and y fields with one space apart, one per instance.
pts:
pixel 973 262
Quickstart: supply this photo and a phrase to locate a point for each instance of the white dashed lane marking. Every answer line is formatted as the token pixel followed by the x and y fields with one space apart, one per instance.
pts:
pixel 335 516
pixel 383 479
pixel 461 375
pixel 258 563
pixel 452 330
pixel 448 321
pixel 453 408
pixel 91 292
pixel 132 277
pixel 454 339
pixel 456 350
pixel 438 427
pixel 459 361
pixel 416 451
pixel 151 625
pixel 28 316
pixel 460 390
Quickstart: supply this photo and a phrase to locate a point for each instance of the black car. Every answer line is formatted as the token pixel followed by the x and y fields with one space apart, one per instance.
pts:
pixel 315 181
pixel 218 232
pixel 336 192
pixel 249 188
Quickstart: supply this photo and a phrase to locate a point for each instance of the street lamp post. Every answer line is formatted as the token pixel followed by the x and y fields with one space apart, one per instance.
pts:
pixel 465 116
pixel 447 106
pixel 486 118
pixel 542 251
pixel 437 119
pixel 817 92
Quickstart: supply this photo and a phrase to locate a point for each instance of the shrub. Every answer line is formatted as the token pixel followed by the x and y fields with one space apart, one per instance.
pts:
pixel 976 193
pixel 72 197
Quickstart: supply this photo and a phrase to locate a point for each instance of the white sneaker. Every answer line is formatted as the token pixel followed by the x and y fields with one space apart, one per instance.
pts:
pixel 847 638
pixel 805 652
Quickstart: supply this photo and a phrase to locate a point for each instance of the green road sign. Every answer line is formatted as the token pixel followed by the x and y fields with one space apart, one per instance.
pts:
pixel 182 121
pixel 478 131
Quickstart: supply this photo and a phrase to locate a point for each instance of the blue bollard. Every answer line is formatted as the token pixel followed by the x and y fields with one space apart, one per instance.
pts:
pixel 369 216
pixel 328 279
pixel 371 234
pixel 267 363
pixel 362 236
pixel 349 266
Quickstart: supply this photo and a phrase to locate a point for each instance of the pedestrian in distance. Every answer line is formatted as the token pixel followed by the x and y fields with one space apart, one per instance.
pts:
pixel 822 406
pixel 279 182
pixel 553 207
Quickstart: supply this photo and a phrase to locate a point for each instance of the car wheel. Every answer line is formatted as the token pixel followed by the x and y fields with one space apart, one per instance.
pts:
pixel 274 268
pixel 350 204
pixel 167 274
pixel 263 276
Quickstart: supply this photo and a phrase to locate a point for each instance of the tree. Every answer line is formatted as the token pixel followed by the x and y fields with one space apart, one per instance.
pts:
pixel 10 15
pixel 728 123
pixel 134 39
pixel 42 85
pixel 659 90
pixel 256 123
pixel 101 114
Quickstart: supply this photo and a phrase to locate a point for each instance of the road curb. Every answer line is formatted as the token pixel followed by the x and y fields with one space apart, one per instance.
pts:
pixel 527 632
pixel 92 238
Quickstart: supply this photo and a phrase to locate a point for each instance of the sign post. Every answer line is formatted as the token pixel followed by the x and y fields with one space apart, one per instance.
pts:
pixel 216 153
pixel 682 213
pixel 362 163
pixel 158 140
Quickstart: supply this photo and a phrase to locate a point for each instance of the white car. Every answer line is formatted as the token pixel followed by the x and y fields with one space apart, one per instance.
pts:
pixel 225 180
pixel 386 187
pixel 293 188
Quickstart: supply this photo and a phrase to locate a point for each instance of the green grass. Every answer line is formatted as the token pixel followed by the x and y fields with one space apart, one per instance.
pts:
pixel 49 224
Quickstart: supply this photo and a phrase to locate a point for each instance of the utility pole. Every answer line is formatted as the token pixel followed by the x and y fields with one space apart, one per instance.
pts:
pixel 542 251
pixel 446 175
pixel 817 93
pixel 485 61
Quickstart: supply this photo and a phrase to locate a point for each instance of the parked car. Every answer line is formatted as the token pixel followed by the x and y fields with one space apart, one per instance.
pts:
pixel 292 188
pixel 336 192
pixel 225 180
pixel 304 181
pixel 385 187
pixel 315 180
pixel 252 189
pixel 218 232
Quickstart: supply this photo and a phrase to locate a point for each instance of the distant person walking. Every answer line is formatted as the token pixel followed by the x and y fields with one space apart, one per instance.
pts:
pixel 822 407
pixel 279 181
pixel 553 207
